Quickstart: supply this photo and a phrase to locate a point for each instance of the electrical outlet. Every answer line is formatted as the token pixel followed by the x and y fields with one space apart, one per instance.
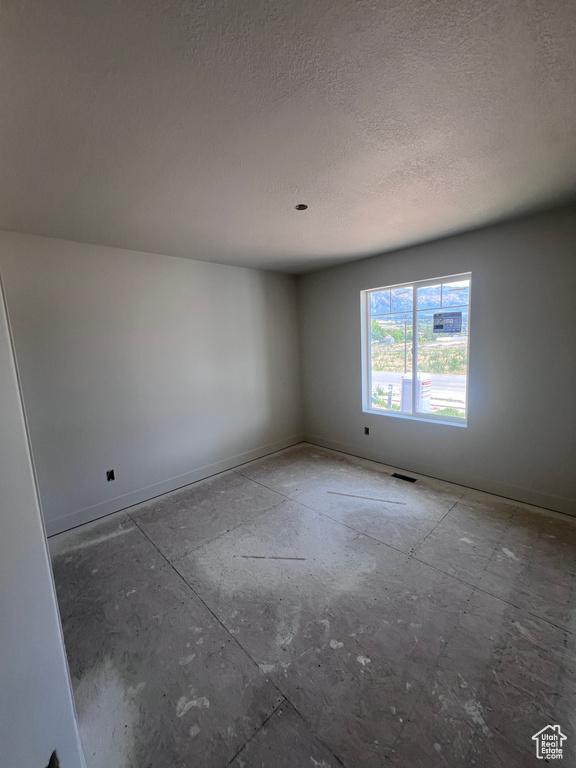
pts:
pixel 110 475
pixel 366 430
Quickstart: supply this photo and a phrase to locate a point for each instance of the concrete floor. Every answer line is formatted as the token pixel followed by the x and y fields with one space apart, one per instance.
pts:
pixel 308 609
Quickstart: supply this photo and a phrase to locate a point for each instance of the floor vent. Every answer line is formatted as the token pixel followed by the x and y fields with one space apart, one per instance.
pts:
pixel 404 477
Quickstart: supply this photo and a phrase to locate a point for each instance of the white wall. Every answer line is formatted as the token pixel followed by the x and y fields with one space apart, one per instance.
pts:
pixel 163 369
pixel 521 435
pixel 36 706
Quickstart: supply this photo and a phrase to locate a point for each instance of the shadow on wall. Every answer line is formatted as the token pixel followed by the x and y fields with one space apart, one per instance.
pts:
pixel 273 380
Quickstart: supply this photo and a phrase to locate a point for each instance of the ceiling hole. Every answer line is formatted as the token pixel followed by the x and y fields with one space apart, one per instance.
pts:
pixel 301 207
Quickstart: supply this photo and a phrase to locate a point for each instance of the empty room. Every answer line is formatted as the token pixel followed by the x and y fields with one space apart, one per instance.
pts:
pixel 287 384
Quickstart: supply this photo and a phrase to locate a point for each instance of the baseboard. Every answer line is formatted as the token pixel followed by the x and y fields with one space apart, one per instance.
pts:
pixel 87 514
pixel 516 493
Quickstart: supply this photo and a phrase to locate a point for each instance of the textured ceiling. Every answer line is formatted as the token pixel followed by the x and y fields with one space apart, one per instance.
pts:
pixel 194 128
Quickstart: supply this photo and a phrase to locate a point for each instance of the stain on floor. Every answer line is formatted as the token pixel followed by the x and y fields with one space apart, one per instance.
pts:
pixel 309 609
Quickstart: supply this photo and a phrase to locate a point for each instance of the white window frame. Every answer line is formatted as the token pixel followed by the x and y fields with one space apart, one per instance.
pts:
pixel 367 356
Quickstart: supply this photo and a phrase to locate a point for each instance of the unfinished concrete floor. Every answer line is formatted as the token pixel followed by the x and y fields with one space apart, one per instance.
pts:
pixel 308 609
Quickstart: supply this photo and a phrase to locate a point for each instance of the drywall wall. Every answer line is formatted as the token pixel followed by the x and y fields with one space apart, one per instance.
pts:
pixel 163 369
pixel 521 435
pixel 36 706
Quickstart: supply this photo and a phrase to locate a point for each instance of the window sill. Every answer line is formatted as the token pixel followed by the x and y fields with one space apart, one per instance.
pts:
pixel 429 420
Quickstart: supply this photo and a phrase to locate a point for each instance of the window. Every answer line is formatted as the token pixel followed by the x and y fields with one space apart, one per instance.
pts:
pixel 417 332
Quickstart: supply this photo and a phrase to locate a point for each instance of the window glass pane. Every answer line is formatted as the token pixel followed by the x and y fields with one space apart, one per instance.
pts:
pixel 429 297
pixel 422 335
pixel 456 294
pixel 391 362
pixel 401 299
pixel 380 303
pixel 442 366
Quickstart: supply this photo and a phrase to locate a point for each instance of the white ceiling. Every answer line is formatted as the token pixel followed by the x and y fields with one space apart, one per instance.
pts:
pixel 194 128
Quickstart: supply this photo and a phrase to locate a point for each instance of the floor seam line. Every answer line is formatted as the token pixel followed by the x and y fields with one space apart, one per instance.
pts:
pixel 239 644
pixel 496 597
pixel 224 533
pixel 307 723
pixel 350 528
pixel 412 556
pixel 437 524
pixel 256 732
pixel 407 719
pixel 247 477
pixel 218 620
pixel 355 530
